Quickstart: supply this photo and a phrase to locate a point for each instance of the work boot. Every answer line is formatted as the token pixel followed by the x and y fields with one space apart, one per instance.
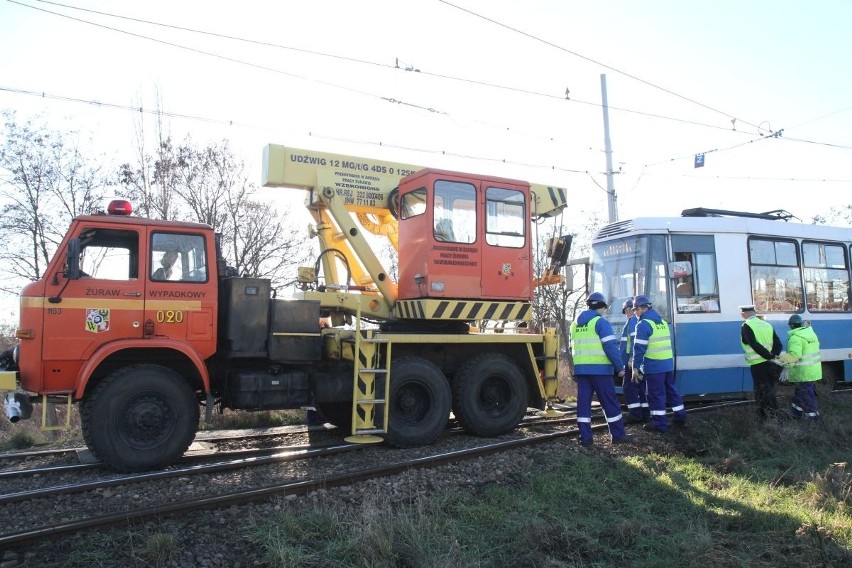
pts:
pixel 630 419
pixel 649 427
pixel 587 443
pixel 626 439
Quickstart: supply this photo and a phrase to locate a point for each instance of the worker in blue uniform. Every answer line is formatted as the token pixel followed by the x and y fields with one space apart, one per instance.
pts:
pixel 653 361
pixel 634 393
pixel 594 347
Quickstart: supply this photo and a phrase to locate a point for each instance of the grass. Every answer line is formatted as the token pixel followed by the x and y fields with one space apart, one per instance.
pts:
pixel 730 491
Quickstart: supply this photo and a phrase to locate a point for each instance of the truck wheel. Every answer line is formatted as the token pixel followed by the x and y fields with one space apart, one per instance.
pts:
pixel 140 417
pixel 489 395
pixel 419 401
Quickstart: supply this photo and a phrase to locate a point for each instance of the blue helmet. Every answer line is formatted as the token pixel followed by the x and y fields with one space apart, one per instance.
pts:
pixel 628 304
pixel 642 301
pixel 596 300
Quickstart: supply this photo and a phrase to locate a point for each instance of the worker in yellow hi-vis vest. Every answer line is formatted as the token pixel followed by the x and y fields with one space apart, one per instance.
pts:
pixel 594 347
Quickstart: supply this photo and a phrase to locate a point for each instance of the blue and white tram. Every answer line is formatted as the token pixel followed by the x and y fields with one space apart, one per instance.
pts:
pixel 699 268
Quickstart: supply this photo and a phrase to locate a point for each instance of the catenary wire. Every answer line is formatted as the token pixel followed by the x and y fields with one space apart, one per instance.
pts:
pixel 381 65
pixel 387 99
pixel 139 109
pixel 590 60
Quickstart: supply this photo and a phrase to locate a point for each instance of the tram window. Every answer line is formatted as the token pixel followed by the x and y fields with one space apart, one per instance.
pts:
pixel 657 284
pixel 699 291
pixel 776 277
pixel 826 277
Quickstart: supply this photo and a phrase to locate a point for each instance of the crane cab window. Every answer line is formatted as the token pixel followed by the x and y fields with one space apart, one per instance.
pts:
pixel 413 203
pixel 505 219
pixel 454 212
pixel 178 258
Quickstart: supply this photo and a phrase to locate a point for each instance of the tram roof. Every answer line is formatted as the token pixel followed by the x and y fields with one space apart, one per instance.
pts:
pixel 714 225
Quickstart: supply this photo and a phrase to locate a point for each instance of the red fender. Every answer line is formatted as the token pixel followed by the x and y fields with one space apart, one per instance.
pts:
pixel 98 357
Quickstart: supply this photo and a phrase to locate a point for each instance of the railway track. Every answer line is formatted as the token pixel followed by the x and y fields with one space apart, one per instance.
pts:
pixel 119 499
pixel 206 448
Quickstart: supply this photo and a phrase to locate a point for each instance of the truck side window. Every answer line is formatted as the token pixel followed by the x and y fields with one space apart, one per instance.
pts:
pixel 178 257
pixel 109 254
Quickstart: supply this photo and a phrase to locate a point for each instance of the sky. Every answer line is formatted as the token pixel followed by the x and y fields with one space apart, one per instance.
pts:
pixel 761 88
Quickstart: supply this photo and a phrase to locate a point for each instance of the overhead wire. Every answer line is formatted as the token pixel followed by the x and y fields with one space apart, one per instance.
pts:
pixel 219 56
pixel 715 150
pixel 380 65
pixel 405 103
pixel 183 116
pixel 590 60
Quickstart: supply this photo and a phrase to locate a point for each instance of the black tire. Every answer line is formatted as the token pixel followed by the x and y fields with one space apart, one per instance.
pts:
pixel 489 395
pixel 420 401
pixel 140 417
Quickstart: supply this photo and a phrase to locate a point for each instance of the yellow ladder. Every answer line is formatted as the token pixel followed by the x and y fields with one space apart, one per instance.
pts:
pixel 369 352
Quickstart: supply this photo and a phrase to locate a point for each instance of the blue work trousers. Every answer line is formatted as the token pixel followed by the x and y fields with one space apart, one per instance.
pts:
pixel 804 403
pixel 662 392
pixel 603 387
pixel 635 397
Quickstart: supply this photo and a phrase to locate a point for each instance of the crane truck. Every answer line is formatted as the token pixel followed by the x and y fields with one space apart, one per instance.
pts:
pixel 142 323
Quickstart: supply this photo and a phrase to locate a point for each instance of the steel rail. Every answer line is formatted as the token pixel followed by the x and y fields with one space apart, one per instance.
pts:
pixel 298 487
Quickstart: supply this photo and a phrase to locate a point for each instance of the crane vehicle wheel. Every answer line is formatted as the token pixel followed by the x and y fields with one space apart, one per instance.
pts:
pixel 419 400
pixel 489 395
pixel 140 417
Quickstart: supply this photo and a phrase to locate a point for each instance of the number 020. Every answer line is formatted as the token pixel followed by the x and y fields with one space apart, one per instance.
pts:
pixel 169 316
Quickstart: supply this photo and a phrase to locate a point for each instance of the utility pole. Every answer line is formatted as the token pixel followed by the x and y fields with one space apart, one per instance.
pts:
pixel 610 182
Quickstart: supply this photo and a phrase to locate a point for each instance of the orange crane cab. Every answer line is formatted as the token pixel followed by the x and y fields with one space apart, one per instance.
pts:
pixel 141 322
pixel 466 236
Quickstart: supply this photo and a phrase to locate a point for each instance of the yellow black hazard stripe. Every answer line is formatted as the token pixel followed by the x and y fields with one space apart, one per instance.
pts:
pixel 462 310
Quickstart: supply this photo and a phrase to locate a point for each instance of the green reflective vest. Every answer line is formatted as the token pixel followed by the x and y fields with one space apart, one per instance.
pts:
pixel 586 346
pixel 763 334
pixel 803 343
pixel 660 341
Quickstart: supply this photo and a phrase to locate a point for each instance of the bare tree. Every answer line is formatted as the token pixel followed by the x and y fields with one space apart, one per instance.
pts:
pixel 149 181
pixel 837 216
pixel 45 181
pixel 209 184
pixel 557 305
pixel 260 240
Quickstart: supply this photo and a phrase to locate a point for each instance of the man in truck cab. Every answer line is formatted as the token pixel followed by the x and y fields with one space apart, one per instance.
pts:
pixel 166 265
